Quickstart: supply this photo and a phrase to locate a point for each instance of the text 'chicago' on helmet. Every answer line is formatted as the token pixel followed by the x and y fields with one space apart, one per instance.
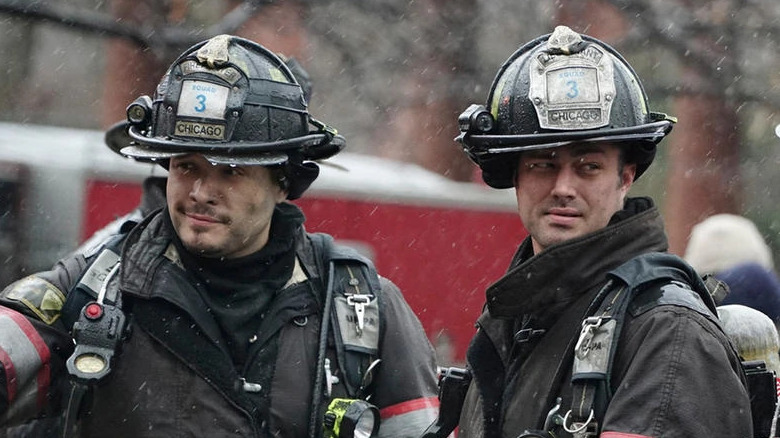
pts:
pixel 559 89
pixel 236 103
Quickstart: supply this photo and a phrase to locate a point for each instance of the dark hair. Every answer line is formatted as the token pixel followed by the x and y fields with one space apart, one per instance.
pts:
pixel 622 158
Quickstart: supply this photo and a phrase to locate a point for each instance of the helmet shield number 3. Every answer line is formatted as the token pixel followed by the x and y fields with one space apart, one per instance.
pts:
pixel 204 100
pixel 571 89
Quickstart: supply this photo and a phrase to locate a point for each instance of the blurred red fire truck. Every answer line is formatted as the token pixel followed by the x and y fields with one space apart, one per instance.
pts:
pixel 441 241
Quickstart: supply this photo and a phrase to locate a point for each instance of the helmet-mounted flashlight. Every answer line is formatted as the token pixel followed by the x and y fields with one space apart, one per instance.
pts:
pixel 475 118
pixel 140 111
pixel 348 418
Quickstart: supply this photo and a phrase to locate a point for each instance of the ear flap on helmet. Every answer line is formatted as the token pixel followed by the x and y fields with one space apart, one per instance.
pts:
pixel 301 175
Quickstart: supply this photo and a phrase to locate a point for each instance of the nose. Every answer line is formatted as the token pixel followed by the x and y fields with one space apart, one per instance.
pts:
pixel 202 191
pixel 565 183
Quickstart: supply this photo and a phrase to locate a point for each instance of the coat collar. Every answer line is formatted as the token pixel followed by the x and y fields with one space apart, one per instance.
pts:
pixel 549 281
pixel 149 244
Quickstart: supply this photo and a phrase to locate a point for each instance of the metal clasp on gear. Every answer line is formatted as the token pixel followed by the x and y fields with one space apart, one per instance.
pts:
pixel 359 302
pixel 579 430
pixel 589 327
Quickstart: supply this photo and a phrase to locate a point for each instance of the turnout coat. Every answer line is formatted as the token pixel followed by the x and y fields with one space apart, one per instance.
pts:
pixel 675 373
pixel 174 376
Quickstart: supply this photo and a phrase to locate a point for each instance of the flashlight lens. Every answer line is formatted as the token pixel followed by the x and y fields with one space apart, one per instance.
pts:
pixel 484 122
pixel 136 113
pixel 90 363
pixel 365 425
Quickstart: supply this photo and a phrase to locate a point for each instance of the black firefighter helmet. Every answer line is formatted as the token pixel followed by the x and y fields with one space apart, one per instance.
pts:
pixel 559 89
pixel 235 102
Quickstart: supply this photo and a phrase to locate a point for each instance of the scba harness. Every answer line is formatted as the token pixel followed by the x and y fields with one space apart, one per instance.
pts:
pixel 351 299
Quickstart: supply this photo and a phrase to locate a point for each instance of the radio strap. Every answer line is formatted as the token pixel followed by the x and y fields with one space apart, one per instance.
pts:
pixel 93 309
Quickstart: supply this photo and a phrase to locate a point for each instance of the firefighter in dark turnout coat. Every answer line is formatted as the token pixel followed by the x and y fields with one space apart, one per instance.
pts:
pixel 216 300
pixel 567 126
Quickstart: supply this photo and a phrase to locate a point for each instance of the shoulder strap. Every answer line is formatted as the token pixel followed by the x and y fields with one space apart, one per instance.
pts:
pixel 355 315
pixel 593 356
pixel 91 282
pixel 352 281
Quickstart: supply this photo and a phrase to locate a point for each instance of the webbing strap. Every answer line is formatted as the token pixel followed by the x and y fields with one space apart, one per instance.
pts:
pixel 315 430
pixel 355 318
pixel 350 276
pixel 73 409
pixel 593 356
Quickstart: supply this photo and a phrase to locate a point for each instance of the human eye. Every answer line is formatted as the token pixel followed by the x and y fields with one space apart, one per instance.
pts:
pixel 182 166
pixel 233 171
pixel 538 165
pixel 589 167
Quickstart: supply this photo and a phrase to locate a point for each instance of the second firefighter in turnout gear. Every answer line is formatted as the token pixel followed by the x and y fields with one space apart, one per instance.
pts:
pixel 568 127
pixel 218 315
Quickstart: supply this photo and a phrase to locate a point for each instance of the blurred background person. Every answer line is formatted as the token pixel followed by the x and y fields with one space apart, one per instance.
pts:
pixel 725 240
pixel 731 248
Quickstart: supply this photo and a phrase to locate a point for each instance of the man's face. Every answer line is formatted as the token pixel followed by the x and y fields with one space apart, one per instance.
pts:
pixel 570 191
pixel 220 210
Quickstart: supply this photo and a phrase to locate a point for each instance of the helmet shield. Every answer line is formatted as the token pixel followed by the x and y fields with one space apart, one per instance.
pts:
pixel 560 89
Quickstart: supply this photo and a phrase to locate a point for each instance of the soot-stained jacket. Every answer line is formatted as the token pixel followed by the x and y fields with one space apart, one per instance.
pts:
pixel 675 374
pixel 174 377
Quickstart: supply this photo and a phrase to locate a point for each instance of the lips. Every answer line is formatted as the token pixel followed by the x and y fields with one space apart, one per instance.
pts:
pixel 563 211
pixel 563 216
pixel 202 219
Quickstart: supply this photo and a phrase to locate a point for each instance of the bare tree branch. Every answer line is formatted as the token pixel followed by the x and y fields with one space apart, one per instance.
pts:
pixel 79 18
pixel 723 73
pixel 680 43
pixel 161 39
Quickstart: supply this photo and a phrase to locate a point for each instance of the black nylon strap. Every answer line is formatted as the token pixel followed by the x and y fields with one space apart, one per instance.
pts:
pixel 591 390
pixel 336 259
pixel 73 410
pixel 81 294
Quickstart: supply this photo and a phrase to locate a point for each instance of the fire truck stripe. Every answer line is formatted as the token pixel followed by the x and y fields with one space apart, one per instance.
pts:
pixel 25 352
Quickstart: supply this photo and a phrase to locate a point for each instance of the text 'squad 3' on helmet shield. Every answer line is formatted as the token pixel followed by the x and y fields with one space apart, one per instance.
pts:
pixel 572 91
pixel 201 99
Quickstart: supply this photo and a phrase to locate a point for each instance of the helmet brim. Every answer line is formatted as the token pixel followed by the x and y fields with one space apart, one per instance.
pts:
pixel 497 155
pixel 140 153
pixel 116 137
pixel 124 139
pixel 500 144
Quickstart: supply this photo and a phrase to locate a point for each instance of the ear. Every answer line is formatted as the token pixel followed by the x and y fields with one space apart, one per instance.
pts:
pixel 281 195
pixel 627 176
